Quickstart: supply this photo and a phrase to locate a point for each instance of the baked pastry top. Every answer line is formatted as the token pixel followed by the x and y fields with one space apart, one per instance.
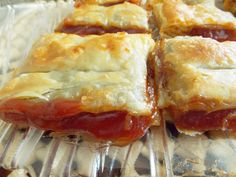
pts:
pixel 102 73
pixel 194 18
pixel 199 68
pixel 230 5
pixel 97 19
pixel 198 75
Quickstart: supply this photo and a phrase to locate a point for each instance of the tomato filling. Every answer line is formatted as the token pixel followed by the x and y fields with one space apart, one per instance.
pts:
pixel 56 116
pixel 204 121
pixel 98 30
pixel 78 3
pixel 218 34
pixel 4 172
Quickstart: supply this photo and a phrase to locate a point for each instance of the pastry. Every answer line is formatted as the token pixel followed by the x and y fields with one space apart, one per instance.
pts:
pixel 98 85
pixel 96 19
pixel 193 18
pixel 197 84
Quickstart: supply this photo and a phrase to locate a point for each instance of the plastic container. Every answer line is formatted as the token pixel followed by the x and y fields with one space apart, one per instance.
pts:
pixel 163 151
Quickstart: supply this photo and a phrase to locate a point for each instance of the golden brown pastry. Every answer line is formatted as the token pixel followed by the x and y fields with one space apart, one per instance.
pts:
pixel 198 83
pixel 230 5
pixel 96 19
pixel 194 18
pixel 94 84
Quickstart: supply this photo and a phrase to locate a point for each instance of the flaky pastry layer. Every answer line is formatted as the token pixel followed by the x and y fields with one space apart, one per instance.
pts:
pixel 194 18
pixel 102 73
pixel 96 19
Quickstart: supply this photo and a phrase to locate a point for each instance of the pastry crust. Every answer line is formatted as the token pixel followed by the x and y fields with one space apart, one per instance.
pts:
pixel 197 84
pixel 120 17
pixel 101 73
pixel 201 69
pixel 183 17
pixel 230 5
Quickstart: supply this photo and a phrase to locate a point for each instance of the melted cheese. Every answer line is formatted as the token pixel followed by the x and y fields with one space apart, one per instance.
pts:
pixel 102 73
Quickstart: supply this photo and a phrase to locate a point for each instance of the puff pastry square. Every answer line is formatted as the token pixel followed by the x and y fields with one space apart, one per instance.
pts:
pixel 96 19
pixel 230 5
pixel 194 18
pixel 94 84
pixel 198 83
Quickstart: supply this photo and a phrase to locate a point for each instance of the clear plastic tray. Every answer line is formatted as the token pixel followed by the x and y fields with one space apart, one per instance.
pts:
pixel 161 152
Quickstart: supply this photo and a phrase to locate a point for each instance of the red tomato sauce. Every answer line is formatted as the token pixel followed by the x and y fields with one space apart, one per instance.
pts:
pixel 83 30
pixel 65 116
pixel 204 121
pixel 214 33
pixel 4 172
pixel 79 3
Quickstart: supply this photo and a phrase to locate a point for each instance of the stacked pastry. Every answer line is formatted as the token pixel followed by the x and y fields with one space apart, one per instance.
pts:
pixel 197 63
pixel 101 75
